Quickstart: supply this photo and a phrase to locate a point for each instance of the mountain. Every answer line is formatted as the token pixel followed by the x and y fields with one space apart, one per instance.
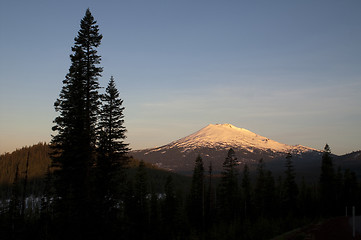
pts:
pixel 351 161
pixel 39 161
pixel 212 143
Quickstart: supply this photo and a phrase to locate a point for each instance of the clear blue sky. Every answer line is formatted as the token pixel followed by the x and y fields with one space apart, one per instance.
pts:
pixel 287 70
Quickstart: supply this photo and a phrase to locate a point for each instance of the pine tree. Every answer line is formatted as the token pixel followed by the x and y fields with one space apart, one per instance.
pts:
pixel 229 192
pixel 112 151
pixel 290 186
pixel 196 199
pixel 327 182
pixel 15 205
pixel 25 185
pixel 112 132
pixel 75 139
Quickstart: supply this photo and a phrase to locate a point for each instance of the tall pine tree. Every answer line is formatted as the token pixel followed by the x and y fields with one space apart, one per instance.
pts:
pixel 75 139
pixel 196 199
pixel 112 150
pixel 290 186
pixel 229 191
pixel 327 182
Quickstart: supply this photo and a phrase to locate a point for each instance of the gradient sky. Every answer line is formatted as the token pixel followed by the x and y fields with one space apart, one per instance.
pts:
pixel 287 70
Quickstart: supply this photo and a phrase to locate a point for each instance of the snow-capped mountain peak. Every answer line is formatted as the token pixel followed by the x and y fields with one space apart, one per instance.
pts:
pixel 212 143
pixel 228 135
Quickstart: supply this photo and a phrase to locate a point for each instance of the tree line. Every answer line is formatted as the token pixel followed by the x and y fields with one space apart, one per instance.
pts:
pixel 234 205
pixel 88 195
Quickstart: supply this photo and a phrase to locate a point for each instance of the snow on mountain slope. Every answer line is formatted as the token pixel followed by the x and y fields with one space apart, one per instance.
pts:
pixel 212 144
pixel 226 136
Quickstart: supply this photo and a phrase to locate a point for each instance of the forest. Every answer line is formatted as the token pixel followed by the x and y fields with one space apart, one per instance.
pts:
pixel 84 184
pixel 154 203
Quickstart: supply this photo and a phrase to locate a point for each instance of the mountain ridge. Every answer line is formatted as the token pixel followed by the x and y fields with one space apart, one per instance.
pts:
pixel 228 135
pixel 212 143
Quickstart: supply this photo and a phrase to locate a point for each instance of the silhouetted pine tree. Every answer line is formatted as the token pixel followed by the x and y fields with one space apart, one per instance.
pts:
pixel 265 197
pixel 15 207
pixel 75 139
pixel 327 183
pixel 112 158
pixel 229 192
pixel 25 184
pixel 290 187
pixel 196 207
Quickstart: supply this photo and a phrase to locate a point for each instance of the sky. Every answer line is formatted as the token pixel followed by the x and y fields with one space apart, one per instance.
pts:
pixel 286 70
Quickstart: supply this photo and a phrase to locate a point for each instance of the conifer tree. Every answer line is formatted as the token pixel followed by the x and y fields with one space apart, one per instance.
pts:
pixel 112 150
pixel 25 184
pixel 290 186
pixel 327 182
pixel 15 205
pixel 75 139
pixel 196 198
pixel 229 192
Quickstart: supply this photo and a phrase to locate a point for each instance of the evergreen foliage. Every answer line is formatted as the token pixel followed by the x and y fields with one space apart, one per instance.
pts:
pixel 290 187
pixel 39 159
pixel 161 213
pixel 197 196
pixel 90 193
pixel 15 205
pixel 229 190
pixel 75 139
pixel 327 182
pixel 111 155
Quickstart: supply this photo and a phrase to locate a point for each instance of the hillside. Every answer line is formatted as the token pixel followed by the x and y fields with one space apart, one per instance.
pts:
pixel 39 161
pixel 38 164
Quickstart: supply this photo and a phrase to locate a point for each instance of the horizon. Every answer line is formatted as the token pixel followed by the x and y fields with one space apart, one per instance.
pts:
pixel 211 124
pixel 287 71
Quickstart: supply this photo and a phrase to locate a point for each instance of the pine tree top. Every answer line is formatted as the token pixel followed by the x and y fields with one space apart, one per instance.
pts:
pixel 88 35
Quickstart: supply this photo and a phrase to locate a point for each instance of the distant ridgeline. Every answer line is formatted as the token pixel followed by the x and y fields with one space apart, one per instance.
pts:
pixel 39 162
